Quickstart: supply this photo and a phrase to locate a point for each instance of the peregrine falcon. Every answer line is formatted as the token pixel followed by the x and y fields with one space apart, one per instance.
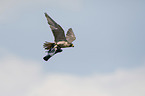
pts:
pixel 61 41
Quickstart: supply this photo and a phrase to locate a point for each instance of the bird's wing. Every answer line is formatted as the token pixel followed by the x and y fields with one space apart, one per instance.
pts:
pixel 70 36
pixel 57 30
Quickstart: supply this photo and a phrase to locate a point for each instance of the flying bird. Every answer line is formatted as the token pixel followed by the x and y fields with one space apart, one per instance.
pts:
pixel 60 40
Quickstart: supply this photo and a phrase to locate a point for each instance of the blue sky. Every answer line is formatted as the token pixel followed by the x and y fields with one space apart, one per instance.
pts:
pixel 108 54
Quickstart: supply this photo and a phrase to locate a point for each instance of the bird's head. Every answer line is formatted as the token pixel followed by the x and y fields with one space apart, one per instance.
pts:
pixel 71 45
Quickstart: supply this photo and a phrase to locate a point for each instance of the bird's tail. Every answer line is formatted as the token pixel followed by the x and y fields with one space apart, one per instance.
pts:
pixel 48 45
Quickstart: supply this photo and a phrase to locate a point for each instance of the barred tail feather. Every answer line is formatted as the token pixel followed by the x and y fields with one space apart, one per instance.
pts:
pixel 48 45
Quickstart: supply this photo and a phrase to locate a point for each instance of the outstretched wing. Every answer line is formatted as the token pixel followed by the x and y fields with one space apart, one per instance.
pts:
pixel 57 30
pixel 70 36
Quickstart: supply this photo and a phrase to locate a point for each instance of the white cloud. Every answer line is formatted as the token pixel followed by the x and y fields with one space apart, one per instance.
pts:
pixel 13 5
pixel 10 10
pixel 119 83
pixel 74 5
pixel 20 77
pixel 5 5
pixel 17 76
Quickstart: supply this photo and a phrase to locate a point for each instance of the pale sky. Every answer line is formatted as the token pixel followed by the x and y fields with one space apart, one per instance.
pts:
pixel 108 58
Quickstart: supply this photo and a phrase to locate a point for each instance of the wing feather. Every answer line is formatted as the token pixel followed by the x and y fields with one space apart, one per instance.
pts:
pixel 57 30
pixel 70 36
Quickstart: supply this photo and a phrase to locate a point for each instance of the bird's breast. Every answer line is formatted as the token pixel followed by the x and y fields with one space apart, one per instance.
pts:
pixel 63 44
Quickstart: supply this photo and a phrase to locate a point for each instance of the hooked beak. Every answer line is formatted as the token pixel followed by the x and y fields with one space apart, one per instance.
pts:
pixel 72 45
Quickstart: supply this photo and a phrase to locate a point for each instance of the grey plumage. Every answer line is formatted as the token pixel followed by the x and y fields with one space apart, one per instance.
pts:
pixel 70 36
pixel 57 30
